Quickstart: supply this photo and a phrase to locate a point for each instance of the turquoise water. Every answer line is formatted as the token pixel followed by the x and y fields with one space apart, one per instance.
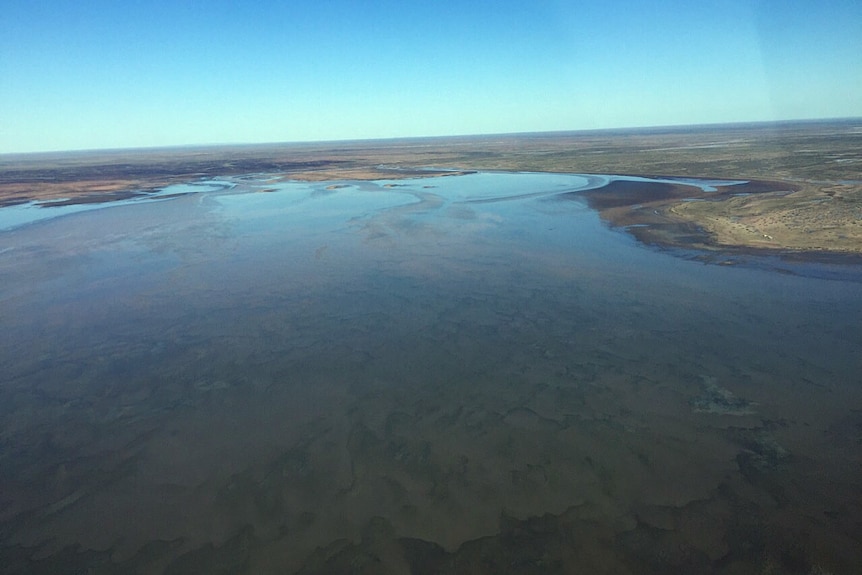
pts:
pixel 441 373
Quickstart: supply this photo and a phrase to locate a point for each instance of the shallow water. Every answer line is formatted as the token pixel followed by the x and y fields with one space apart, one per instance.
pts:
pixel 439 374
pixel 36 211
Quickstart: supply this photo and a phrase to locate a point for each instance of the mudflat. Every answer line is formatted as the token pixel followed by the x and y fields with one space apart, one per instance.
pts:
pixel 802 196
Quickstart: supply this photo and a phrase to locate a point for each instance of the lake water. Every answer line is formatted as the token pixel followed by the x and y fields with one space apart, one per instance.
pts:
pixel 451 374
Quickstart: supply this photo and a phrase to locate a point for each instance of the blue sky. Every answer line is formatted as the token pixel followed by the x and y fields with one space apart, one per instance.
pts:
pixel 109 74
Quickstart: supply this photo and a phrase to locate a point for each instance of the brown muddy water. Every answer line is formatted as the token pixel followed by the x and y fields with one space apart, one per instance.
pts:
pixel 464 374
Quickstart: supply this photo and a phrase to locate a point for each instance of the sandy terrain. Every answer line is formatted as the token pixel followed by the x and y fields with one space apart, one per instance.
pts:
pixel 813 218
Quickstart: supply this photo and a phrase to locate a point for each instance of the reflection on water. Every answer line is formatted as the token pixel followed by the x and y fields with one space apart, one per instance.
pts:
pixel 408 375
pixel 36 211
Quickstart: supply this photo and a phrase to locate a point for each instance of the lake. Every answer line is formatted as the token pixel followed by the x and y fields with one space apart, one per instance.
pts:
pixel 468 373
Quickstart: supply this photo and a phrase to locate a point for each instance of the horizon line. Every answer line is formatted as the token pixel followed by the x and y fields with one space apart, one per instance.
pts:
pixel 662 127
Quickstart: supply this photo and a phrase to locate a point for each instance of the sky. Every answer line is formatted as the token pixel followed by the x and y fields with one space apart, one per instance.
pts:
pixel 92 74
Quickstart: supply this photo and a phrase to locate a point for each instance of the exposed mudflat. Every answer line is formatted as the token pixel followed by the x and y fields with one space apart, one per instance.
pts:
pixel 756 217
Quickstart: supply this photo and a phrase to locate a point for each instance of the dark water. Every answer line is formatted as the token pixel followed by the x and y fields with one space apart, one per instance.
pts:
pixel 460 374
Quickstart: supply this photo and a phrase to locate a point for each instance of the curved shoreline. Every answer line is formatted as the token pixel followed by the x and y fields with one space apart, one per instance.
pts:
pixel 799 220
pixel 731 219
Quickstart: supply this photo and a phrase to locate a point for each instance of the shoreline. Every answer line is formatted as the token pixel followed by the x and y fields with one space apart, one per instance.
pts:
pixel 746 218
pixel 682 216
pixel 808 205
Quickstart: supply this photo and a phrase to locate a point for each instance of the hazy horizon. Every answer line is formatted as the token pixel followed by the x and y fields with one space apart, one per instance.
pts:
pixel 111 76
pixel 621 129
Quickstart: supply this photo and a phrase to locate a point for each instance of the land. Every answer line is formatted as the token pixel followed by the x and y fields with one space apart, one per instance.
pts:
pixel 803 197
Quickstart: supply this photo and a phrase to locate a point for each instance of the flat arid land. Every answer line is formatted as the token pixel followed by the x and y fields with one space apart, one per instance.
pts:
pixel 802 194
